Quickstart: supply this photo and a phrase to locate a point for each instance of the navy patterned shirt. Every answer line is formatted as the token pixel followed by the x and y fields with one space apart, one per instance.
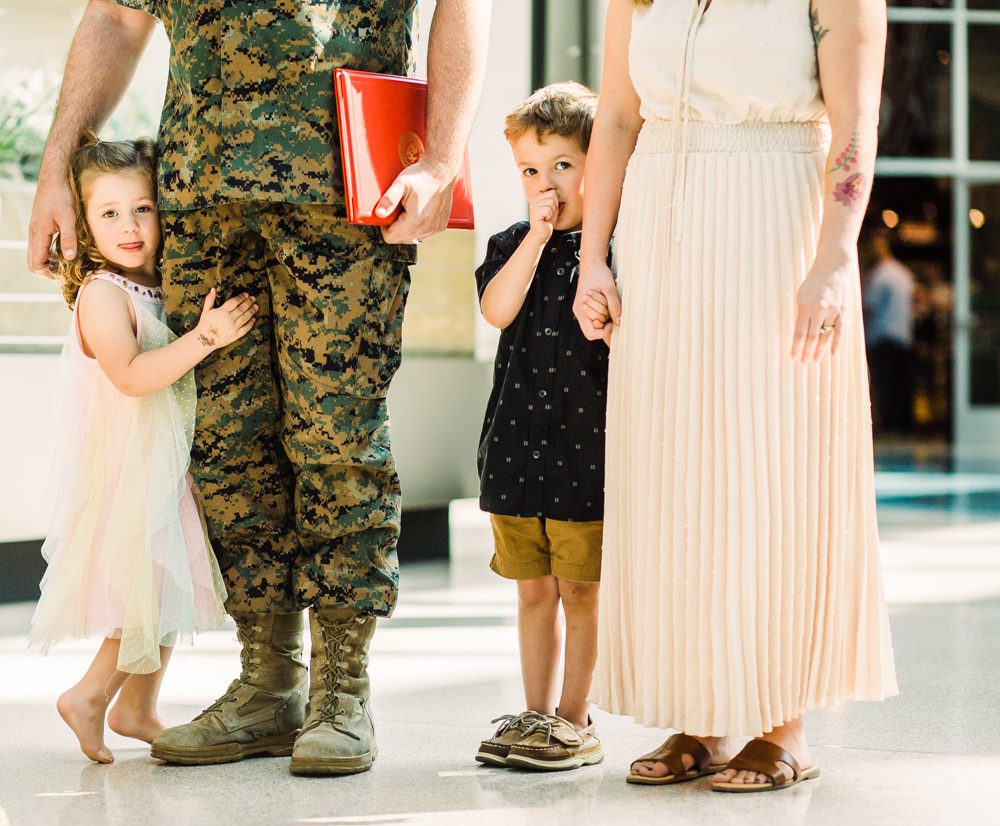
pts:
pixel 541 453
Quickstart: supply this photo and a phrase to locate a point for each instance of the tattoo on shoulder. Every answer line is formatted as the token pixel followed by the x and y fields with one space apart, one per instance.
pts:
pixel 818 31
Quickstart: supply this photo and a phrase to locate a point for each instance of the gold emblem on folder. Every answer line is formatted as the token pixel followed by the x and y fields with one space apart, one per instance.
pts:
pixel 411 148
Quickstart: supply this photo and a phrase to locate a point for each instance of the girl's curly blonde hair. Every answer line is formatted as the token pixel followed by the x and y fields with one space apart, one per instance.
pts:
pixel 96 156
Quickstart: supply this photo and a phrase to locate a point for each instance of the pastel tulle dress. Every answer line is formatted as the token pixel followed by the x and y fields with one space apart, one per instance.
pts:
pixel 126 549
pixel 740 584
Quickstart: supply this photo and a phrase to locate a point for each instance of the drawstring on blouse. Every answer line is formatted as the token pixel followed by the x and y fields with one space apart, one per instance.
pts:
pixel 677 176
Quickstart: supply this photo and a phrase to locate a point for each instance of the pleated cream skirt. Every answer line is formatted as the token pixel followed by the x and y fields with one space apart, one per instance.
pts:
pixel 740 580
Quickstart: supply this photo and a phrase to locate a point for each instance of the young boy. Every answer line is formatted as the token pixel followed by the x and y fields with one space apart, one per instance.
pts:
pixel 541 454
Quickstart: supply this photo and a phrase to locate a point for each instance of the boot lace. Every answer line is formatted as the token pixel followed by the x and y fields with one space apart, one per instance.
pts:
pixel 338 647
pixel 249 640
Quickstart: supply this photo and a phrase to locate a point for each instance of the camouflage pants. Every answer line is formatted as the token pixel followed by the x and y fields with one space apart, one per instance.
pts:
pixel 291 447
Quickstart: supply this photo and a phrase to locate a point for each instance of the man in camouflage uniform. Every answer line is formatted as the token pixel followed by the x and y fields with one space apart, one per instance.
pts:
pixel 291 448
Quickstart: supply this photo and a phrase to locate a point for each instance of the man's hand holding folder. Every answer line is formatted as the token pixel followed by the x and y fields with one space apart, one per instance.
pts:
pixel 425 194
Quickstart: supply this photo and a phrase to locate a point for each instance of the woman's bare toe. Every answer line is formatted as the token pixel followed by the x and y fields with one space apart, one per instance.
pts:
pixel 86 718
pixel 649 768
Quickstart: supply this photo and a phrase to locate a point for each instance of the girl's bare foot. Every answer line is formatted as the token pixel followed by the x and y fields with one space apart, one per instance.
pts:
pixel 792 738
pixel 86 717
pixel 129 723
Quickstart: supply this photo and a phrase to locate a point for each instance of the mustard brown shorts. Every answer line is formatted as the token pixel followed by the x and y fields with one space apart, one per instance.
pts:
pixel 529 547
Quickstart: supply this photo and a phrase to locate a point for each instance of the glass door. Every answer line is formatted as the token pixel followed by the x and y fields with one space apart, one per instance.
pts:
pixel 938 192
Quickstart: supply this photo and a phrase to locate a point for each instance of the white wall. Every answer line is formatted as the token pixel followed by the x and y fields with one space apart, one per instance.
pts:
pixel 27 421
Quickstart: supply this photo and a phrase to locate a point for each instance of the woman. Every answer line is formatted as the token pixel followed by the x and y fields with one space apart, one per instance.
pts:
pixel 741 581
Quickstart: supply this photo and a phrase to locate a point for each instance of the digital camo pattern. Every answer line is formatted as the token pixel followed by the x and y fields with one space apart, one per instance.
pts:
pixel 248 113
pixel 291 449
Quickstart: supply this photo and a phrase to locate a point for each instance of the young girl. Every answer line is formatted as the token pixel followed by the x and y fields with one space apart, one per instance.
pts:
pixel 127 550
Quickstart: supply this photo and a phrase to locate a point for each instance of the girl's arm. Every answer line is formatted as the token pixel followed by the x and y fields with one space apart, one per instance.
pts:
pixel 850 45
pixel 504 295
pixel 107 328
pixel 616 128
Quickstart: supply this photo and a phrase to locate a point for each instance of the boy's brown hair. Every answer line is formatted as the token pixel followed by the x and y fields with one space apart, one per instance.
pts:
pixel 565 109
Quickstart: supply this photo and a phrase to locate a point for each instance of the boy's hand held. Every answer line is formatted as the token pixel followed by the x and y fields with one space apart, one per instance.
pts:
pixel 595 305
pixel 596 280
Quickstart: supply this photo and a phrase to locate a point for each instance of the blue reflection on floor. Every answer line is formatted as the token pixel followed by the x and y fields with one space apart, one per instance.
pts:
pixel 918 476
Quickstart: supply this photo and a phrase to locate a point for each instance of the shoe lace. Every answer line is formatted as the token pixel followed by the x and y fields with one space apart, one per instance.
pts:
pixel 546 724
pixel 249 644
pixel 338 647
pixel 519 722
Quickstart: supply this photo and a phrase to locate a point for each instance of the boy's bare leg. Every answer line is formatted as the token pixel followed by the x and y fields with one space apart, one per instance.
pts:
pixel 539 637
pixel 134 713
pixel 84 706
pixel 579 601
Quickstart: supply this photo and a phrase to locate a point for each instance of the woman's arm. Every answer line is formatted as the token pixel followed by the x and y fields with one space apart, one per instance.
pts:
pixel 107 328
pixel 616 128
pixel 850 46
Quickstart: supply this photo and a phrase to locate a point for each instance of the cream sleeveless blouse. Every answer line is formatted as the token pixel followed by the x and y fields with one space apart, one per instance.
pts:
pixel 727 60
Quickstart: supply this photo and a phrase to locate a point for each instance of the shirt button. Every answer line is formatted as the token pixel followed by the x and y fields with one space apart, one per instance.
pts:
pixel 542 394
pixel 548 331
pixel 535 454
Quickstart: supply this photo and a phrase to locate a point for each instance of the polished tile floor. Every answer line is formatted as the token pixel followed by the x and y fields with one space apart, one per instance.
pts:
pixel 447 663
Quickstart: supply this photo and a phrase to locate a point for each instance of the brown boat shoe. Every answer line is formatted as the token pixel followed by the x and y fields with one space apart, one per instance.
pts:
pixel 493 752
pixel 553 744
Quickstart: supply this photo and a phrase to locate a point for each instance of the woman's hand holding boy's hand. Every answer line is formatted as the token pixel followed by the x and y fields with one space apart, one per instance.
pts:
pixel 597 307
pixel 543 212
pixel 219 326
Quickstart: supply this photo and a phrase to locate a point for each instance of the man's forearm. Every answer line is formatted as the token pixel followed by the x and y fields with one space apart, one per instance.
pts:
pixel 456 63
pixel 101 62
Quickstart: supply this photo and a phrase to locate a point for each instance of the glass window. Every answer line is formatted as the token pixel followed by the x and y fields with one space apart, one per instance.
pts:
pixel 984 92
pixel 984 298
pixel 916 92
pixel 916 215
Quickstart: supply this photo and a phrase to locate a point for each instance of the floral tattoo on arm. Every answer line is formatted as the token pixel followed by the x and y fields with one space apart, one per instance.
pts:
pixel 851 191
pixel 209 340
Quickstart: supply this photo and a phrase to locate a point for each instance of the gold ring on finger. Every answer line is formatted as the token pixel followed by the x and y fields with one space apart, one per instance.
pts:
pixel 826 329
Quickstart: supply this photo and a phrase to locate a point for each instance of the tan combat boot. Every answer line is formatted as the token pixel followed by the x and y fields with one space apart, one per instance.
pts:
pixel 338 736
pixel 261 712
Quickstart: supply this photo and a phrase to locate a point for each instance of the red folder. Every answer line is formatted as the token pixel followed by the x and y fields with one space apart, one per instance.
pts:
pixel 381 119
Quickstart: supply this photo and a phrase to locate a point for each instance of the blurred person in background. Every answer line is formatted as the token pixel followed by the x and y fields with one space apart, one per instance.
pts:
pixel 888 300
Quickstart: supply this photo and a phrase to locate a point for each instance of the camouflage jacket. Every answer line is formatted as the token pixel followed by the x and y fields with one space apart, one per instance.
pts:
pixel 248 113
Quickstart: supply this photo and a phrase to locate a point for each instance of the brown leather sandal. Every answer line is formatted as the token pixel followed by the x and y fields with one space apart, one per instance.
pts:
pixel 763 757
pixel 671 754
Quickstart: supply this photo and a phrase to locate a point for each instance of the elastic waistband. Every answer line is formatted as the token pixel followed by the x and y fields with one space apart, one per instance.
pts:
pixel 657 136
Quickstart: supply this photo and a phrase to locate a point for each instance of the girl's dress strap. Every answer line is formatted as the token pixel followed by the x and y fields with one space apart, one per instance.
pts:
pixel 152 294
pixel 130 288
